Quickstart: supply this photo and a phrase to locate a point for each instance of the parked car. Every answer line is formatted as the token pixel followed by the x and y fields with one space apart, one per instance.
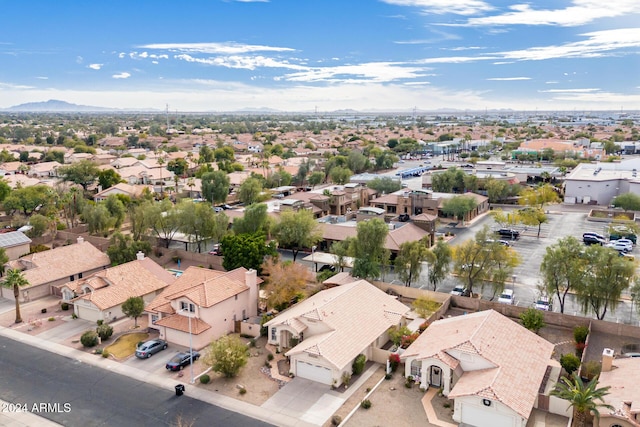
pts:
pixel 592 234
pixel 502 242
pixel 624 241
pixel 216 250
pixel 506 297
pixel 180 360
pixel 460 291
pixel 328 267
pixel 149 348
pixel 620 246
pixel 622 232
pixel 590 239
pixel 509 232
pixel 544 303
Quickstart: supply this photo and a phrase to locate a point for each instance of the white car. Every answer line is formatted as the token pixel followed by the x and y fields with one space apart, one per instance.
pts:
pixel 458 290
pixel 544 303
pixel 621 245
pixel 506 297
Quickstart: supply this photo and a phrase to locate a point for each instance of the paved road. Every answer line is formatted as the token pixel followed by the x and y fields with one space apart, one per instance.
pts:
pixel 77 394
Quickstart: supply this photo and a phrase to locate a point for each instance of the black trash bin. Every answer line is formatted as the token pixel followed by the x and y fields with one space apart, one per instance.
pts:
pixel 180 389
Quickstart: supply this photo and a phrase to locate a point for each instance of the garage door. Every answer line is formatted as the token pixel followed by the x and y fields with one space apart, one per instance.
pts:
pixel 314 372
pixel 86 313
pixel 489 417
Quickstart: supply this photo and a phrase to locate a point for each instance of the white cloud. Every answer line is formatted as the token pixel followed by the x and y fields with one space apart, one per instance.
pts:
pixel 580 12
pixel 243 62
pixel 441 7
pixel 79 59
pixel 229 48
pixel 570 90
pixel 95 66
pixel 507 79
pixel 124 75
pixel 12 86
pixel 42 78
pixel 368 72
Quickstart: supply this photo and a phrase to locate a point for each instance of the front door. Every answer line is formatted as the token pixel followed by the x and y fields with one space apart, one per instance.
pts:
pixel 435 376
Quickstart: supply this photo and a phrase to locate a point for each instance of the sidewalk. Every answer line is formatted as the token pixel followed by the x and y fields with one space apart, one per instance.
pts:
pixel 18 420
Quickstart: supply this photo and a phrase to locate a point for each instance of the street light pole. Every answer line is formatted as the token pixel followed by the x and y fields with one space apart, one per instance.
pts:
pixel 513 286
pixel 313 250
pixel 633 297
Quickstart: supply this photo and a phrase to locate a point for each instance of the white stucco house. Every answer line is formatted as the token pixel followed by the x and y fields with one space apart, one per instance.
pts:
pixel 322 335
pixel 491 366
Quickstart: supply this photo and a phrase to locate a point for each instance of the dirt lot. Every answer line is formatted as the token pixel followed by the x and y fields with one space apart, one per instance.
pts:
pixel 33 320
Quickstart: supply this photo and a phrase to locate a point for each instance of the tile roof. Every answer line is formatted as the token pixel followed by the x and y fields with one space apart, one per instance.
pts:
pixel 519 357
pixel 623 379
pixel 341 278
pixel 342 311
pixel 204 287
pixel 61 262
pixel 181 323
pixel 115 285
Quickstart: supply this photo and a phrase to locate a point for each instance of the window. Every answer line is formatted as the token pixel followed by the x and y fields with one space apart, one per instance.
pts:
pixel 183 305
pixel 415 369
pixel 154 318
pixel 244 314
pixel 274 335
pixel 79 275
pixel 236 297
pixel 71 278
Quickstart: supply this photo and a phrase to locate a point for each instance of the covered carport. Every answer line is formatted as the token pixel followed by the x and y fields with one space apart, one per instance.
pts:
pixel 327 258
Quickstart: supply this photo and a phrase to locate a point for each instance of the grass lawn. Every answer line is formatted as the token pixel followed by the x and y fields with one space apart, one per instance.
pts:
pixel 126 345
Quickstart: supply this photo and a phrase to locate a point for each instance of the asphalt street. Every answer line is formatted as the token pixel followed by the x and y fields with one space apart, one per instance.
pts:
pixel 73 393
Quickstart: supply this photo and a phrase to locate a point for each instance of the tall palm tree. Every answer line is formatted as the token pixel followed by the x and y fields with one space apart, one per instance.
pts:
pixel 584 398
pixel 14 279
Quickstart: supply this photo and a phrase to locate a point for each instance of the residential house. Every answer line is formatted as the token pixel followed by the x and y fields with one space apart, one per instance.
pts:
pixel 44 169
pixel 133 191
pixel 323 334
pixel 45 270
pixel 204 305
pixel 491 366
pixel 15 244
pixel 100 296
pixel 11 168
pixel 622 375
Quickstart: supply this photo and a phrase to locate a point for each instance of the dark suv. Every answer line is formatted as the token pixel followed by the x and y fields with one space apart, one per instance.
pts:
pixel 509 232
pixel 593 239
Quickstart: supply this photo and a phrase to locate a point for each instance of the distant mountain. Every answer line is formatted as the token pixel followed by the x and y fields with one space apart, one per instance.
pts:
pixel 54 105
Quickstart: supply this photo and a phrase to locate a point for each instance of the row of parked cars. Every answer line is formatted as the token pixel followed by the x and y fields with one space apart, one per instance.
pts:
pixel 179 361
pixel 621 244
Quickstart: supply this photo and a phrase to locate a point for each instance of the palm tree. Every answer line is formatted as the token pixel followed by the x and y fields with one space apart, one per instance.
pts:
pixel 3 260
pixel 14 279
pixel 583 398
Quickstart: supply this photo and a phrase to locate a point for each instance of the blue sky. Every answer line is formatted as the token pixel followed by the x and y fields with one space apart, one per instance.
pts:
pixel 324 55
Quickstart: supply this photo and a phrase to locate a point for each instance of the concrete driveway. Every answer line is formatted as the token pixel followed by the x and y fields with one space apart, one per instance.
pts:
pixel 306 400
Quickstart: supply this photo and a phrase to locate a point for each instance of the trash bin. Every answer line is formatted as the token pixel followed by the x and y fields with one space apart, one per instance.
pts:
pixel 179 389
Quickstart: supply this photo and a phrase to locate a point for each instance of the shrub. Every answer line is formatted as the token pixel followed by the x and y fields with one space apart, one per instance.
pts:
pixel 74 316
pixel 336 420
pixel 358 364
pixel 243 390
pixel 267 364
pixel 100 322
pixel 89 339
pixel 366 404
pixel 51 319
pixel 204 379
pixel 394 361
pixel 423 327
pixel 64 306
pixel 105 353
pixel 569 362
pixel 98 351
pixel 408 383
pixel 269 357
pixel 532 319
pixel 104 331
pixel 407 340
pixel 580 334
pixel 346 378
pixel 591 369
pixel 388 376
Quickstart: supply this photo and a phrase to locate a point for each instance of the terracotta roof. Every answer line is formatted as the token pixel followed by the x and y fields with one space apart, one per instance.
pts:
pixel 623 379
pixel 341 278
pixel 518 357
pixel 343 311
pixel 61 262
pixel 115 285
pixel 405 233
pixel 202 286
pixel 181 323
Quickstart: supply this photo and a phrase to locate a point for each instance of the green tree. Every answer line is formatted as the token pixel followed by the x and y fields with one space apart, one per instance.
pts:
pixel 532 319
pixel 254 220
pixel 369 249
pixel 116 209
pixel 5 190
pixel 83 173
pixel 409 261
pixel 122 248
pixel 178 166
pixel 539 196
pixel 4 259
pixel 534 217
pixel 245 250
pixel 498 190
pixel 440 263
pixel 627 201
pixel 98 219
pixel 459 206
pixel 316 178
pixel 227 355
pixel 37 198
pixel 606 277
pixel 563 268
pixel 584 399
pixel 108 178
pixel 425 306
pixel 215 186
pixel 340 175
pixel 385 185
pixel 72 203
pixel 342 250
pixel 14 279
pixel 133 307
pixel 197 221
pixel 250 190
pixel 220 226
pixel 297 230
pixel 570 362
pixel 482 261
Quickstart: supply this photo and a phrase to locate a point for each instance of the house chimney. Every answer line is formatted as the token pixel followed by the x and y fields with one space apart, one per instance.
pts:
pixel 251 280
pixel 607 359
pixel 80 239
pixel 140 256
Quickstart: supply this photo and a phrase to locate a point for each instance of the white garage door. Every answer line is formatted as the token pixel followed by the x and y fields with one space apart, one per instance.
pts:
pixel 489 417
pixel 86 313
pixel 314 372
